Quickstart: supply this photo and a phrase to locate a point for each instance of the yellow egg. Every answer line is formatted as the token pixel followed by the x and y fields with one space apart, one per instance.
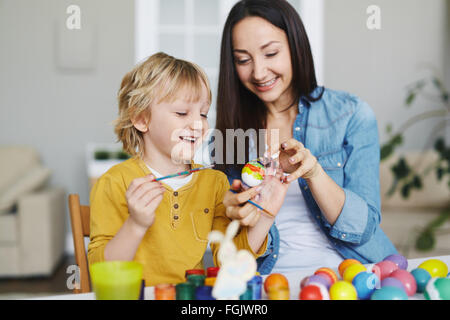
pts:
pixel 352 270
pixel 435 267
pixel 343 290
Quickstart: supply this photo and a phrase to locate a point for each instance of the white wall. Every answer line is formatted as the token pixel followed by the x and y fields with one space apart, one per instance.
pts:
pixel 378 65
pixel 59 111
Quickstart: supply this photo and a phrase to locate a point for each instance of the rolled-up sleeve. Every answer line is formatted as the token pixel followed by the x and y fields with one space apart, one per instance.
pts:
pixel 360 215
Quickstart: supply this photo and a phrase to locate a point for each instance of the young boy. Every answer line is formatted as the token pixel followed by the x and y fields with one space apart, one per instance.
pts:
pixel 163 107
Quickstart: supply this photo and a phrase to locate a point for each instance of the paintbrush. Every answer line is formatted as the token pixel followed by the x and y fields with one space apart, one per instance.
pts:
pixel 182 173
pixel 257 205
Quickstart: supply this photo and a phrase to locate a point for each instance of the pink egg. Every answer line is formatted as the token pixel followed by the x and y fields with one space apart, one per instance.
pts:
pixel 408 280
pixel 386 268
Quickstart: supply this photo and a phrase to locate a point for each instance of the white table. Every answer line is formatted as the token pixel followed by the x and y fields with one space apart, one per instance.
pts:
pixel 294 284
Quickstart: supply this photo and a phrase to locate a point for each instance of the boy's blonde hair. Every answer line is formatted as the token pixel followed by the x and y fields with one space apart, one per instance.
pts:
pixel 157 79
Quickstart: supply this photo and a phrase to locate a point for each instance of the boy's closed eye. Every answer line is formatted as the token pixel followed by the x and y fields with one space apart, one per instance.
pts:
pixel 182 114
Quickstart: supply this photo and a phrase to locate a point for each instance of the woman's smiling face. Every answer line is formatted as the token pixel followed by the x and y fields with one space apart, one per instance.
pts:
pixel 262 59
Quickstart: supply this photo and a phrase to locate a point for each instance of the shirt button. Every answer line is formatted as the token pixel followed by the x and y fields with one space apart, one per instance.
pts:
pixel 343 236
pixel 175 205
pixel 338 164
pixel 305 187
pixel 206 210
pixel 297 128
pixel 175 217
pixel 175 193
pixel 274 255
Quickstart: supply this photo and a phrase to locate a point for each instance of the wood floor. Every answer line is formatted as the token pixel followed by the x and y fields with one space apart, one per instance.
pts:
pixel 56 284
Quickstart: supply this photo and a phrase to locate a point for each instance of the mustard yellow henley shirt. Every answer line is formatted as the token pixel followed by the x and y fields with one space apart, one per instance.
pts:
pixel 178 238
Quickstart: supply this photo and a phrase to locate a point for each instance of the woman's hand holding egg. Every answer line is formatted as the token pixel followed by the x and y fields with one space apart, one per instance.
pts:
pixel 298 161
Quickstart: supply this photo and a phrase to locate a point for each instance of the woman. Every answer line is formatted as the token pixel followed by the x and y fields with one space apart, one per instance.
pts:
pixel 328 207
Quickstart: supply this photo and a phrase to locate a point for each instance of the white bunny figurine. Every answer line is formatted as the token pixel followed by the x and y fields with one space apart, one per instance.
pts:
pixel 236 267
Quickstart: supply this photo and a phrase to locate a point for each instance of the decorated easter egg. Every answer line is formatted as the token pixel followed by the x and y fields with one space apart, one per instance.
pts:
pixel 438 289
pixel 314 291
pixel 344 264
pixel 436 268
pixel 343 290
pixel 352 270
pixel 389 293
pixel 253 173
pixel 274 281
pixel 399 260
pixel 407 279
pixel 386 268
pixel 392 282
pixel 365 284
pixel 279 293
pixel 327 272
pixel 422 277
pixel 314 279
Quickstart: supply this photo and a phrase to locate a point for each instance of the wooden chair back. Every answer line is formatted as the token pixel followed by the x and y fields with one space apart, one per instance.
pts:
pixel 80 220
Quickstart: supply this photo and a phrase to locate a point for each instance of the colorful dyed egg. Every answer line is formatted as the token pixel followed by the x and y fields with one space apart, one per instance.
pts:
pixel 253 173
pixel 275 281
pixel 436 268
pixel 281 293
pixel 352 270
pixel 314 291
pixel 327 272
pixel 438 289
pixel 386 268
pixel 422 277
pixel 344 264
pixel 407 279
pixel 399 260
pixel 392 282
pixel 343 290
pixel 320 279
pixel 365 284
pixel 389 293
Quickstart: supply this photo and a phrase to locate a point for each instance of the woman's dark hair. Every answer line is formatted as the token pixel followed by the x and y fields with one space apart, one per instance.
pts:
pixel 239 108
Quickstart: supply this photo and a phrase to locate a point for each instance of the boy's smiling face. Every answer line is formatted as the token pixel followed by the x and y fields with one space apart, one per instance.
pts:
pixel 176 128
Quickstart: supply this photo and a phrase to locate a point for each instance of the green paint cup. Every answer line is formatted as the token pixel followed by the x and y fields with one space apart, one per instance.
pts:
pixel 116 280
pixel 185 291
pixel 196 279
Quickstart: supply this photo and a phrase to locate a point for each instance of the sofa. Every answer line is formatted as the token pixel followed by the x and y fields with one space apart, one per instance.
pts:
pixel 32 215
pixel 403 219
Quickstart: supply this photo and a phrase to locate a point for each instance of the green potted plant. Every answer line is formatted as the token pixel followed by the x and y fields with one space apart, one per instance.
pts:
pixel 406 177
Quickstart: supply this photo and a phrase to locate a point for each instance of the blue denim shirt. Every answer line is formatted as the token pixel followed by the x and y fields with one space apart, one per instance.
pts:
pixel 341 131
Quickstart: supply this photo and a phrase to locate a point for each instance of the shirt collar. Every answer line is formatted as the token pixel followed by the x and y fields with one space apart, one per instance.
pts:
pixel 314 94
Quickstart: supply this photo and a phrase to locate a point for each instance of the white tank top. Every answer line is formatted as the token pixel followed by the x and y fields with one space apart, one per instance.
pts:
pixel 302 243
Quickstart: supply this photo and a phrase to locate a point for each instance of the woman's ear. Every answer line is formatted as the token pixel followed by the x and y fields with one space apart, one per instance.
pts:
pixel 141 122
